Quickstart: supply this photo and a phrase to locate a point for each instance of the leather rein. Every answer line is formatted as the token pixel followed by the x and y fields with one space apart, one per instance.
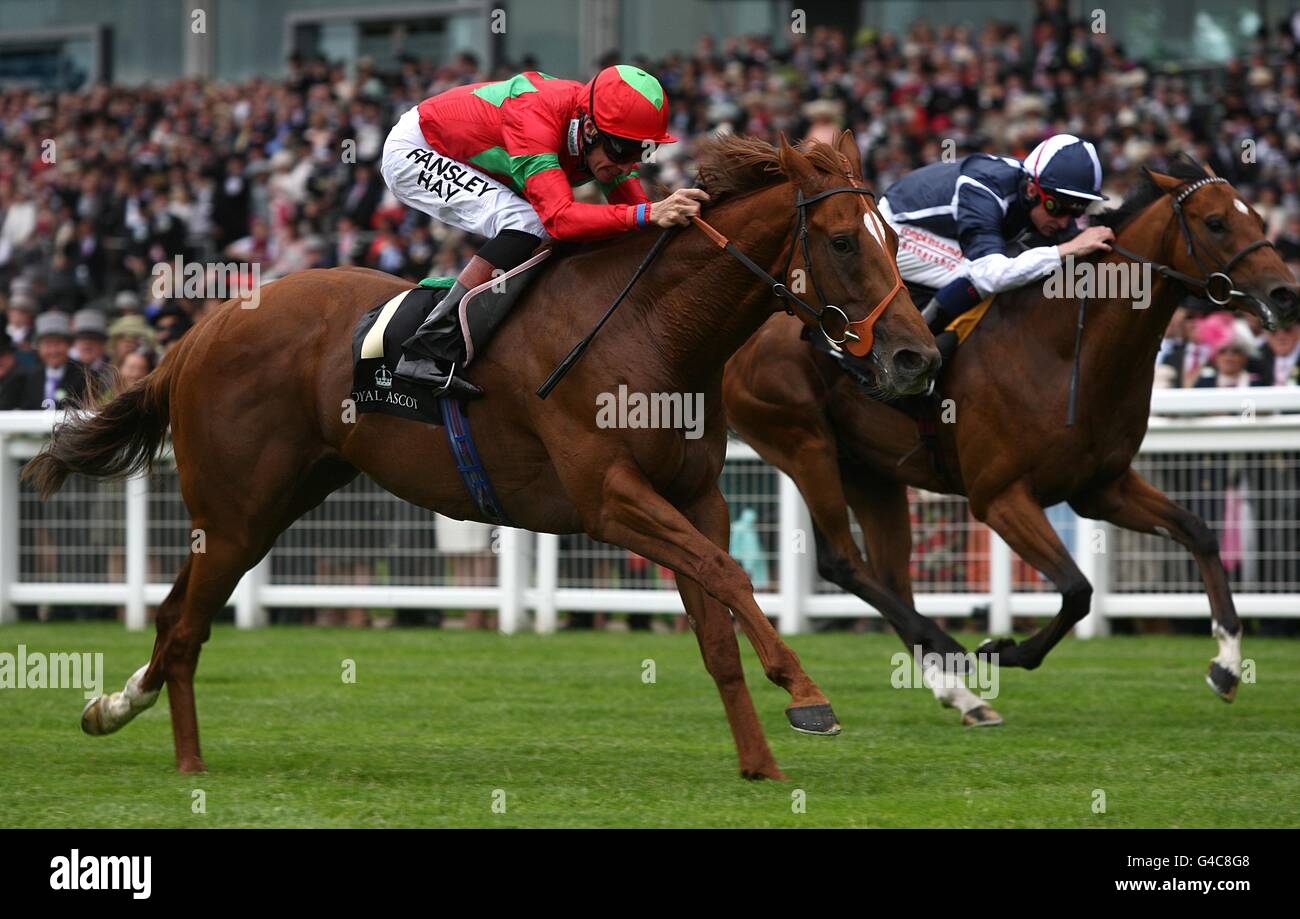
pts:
pixel 858 337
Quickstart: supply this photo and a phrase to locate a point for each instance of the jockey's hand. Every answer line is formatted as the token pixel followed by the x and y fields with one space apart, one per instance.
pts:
pixel 1093 239
pixel 678 208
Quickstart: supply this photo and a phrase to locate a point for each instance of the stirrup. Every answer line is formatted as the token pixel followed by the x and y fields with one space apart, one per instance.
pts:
pixel 458 388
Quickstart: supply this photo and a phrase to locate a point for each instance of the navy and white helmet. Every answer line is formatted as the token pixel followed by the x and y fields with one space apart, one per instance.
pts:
pixel 1066 165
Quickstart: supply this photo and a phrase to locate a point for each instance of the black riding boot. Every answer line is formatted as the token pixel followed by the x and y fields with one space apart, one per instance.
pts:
pixel 436 355
pixel 936 320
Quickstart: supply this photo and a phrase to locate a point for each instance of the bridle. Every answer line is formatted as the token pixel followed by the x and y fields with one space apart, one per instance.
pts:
pixel 859 336
pixel 1218 285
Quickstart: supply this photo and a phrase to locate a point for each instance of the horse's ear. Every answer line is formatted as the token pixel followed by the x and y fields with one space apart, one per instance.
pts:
pixel 795 165
pixel 1167 184
pixel 848 148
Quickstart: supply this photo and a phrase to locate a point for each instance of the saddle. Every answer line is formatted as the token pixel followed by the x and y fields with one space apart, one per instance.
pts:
pixel 377 347
pixel 378 337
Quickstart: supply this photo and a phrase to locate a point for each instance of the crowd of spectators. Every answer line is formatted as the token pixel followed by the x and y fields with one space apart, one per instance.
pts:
pixel 98 187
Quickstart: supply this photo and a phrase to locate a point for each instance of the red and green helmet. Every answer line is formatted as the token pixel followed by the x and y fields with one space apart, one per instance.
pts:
pixel 628 107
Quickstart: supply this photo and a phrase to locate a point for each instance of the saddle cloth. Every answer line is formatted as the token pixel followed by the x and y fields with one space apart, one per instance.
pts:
pixel 377 347
pixel 964 324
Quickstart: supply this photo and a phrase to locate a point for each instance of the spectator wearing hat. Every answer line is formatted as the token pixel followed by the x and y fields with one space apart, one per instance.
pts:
pixel 1233 347
pixel 19 319
pixel 90 344
pixel 60 380
pixel 13 376
pixel 127 302
pixel 126 335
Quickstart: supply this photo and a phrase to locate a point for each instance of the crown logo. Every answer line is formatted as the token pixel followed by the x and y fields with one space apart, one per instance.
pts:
pixel 383 378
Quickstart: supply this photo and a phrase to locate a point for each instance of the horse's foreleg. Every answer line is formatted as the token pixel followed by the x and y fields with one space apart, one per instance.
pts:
pixel 1019 519
pixel 717 638
pixel 881 509
pixel 633 515
pixel 1133 503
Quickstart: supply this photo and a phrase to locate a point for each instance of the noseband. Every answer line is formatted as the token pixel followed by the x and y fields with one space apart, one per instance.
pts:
pixel 1218 284
pixel 860 335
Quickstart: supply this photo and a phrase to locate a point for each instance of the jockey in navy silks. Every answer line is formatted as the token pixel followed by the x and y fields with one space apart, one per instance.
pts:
pixel 956 223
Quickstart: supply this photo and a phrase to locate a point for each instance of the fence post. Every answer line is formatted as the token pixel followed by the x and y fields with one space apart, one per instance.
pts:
pixel 999 585
pixel 793 536
pixel 511 574
pixel 137 549
pixel 249 611
pixel 548 577
pixel 1092 555
pixel 9 531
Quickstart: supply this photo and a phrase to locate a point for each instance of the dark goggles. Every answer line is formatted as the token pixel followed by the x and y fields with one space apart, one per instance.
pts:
pixel 622 150
pixel 1059 204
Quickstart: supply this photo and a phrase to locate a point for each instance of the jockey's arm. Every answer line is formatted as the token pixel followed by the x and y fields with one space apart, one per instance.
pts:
pixel 979 227
pixel 532 137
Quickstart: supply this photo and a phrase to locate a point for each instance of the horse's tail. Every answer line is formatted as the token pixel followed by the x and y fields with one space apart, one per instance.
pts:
pixel 112 441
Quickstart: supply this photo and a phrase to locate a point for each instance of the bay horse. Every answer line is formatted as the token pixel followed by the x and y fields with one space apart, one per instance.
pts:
pixel 255 402
pixel 1008 449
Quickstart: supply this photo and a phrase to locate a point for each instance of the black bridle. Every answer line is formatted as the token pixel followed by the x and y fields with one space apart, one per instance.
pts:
pixel 1217 284
pixel 857 332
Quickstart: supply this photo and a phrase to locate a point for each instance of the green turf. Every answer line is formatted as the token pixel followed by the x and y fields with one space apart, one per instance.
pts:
pixel 566 728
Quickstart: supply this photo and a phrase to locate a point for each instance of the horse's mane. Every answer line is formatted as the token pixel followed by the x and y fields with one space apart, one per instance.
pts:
pixel 1182 166
pixel 734 164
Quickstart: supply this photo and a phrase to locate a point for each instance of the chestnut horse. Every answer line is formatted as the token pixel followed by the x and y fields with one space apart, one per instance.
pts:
pixel 1009 450
pixel 255 400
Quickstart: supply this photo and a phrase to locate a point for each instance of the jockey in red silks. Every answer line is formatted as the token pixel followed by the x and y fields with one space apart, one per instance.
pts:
pixel 500 160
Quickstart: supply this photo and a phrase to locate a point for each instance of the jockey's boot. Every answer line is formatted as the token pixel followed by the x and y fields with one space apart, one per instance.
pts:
pixel 936 318
pixel 437 354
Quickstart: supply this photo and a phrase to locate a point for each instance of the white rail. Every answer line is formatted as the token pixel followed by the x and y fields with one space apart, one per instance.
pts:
pixel 527 591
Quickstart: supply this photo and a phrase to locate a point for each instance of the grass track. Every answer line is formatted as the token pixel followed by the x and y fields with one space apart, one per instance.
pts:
pixel 565 726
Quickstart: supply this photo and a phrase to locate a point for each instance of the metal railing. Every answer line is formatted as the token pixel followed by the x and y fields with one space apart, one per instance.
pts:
pixel 1232 455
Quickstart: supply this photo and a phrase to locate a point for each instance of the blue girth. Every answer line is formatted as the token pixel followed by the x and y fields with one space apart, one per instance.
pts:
pixel 468 464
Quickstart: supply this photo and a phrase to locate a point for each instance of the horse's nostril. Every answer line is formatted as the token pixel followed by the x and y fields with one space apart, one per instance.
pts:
pixel 1284 297
pixel 910 362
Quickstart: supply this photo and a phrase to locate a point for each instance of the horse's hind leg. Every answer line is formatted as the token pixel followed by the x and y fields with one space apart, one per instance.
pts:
pixel 1133 503
pixel 717 638
pixel 881 509
pixel 106 714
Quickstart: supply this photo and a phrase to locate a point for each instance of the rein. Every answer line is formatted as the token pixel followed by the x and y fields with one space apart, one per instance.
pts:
pixel 861 334
pixel 1218 285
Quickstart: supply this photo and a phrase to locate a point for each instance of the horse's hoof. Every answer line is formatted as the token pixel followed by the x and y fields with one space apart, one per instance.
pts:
pixel 981 716
pixel 191 764
pixel 1222 681
pixel 92 721
pixel 770 771
pixel 998 646
pixel 813 719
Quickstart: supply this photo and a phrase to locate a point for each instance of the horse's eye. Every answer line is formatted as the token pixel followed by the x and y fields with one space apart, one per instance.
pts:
pixel 1216 224
pixel 842 244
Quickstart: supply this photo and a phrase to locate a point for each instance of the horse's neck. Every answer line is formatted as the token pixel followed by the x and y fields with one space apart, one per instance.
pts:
pixel 718 304
pixel 1120 342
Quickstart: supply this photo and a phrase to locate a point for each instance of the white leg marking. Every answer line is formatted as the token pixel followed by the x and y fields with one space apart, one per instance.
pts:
pixel 1229 656
pixel 105 714
pixel 950 689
